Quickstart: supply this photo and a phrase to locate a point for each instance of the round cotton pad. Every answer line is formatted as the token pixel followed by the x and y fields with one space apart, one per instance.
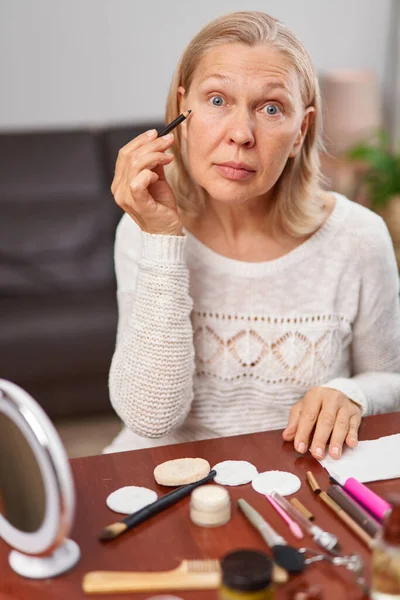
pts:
pixel 129 499
pixel 281 481
pixel 234 472
pixel 181 471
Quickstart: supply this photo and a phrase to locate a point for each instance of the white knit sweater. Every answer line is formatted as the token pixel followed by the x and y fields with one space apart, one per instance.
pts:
pixel 210 346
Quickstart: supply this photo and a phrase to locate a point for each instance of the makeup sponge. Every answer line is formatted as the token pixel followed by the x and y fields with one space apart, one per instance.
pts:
pixel 181 471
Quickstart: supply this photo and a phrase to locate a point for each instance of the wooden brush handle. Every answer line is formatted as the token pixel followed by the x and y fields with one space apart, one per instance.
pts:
pixel 112 582
pixel 103 582
pixel 363 535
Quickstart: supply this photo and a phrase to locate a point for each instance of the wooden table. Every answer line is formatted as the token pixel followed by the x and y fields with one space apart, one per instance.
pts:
pixel 169 537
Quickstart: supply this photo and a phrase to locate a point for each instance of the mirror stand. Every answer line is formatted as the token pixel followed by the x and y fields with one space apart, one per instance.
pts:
pixel 60 560
pixel 37 494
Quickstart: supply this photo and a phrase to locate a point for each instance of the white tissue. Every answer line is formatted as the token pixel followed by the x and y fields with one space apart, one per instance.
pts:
pixel 372 460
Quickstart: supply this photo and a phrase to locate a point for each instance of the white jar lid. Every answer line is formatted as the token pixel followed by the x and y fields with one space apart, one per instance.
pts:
pixel 210 498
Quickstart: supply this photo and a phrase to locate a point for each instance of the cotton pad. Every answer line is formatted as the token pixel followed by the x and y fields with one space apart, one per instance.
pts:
pixel 181 471
pixel 129 499
pixel 234 472
pixel 281 481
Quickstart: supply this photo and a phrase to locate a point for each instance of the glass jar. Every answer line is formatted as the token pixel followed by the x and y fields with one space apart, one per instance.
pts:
pixel 386 556
pixel 246 575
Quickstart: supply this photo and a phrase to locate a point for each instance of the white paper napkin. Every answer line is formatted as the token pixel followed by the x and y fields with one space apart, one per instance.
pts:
pixel 372 460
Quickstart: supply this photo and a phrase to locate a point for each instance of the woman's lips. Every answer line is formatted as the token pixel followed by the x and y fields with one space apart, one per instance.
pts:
pixel 235 173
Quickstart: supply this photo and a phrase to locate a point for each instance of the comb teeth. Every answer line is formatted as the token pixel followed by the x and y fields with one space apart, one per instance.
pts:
pixel 203 566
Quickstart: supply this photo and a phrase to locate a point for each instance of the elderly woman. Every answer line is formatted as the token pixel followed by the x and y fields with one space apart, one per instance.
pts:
pixel 249 299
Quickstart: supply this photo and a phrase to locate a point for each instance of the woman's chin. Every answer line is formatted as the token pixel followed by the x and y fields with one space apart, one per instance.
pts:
pixel 229 198
pixel 230 194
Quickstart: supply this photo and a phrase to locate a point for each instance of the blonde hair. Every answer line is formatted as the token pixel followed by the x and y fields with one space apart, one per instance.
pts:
pixel 294 208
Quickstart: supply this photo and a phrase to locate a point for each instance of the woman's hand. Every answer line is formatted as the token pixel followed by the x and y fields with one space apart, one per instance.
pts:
pixel 140 188
pixel 332 413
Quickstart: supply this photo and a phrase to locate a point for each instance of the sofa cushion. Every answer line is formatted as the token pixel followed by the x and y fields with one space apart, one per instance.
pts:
pixel 59 216
pixel 60 336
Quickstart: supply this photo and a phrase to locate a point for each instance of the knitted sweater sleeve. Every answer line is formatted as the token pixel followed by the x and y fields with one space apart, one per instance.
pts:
pixel 375 384
pixel 152 368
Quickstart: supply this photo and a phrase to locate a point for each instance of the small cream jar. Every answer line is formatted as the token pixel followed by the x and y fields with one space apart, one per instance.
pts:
pixel 210 506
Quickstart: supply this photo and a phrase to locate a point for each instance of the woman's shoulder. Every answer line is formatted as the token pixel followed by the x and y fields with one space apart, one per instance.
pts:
pixel 359 220
pixel 358 213
pixel 364 229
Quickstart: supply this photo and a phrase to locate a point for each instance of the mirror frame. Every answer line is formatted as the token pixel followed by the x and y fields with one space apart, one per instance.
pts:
pixel 52 461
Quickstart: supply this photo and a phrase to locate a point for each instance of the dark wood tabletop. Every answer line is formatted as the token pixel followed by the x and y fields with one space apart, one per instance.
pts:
pixel 169 537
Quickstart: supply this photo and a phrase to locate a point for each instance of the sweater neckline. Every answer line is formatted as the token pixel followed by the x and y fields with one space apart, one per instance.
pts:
pixel 253 269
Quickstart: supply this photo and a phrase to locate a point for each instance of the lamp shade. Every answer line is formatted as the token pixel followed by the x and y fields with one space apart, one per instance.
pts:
pixel 351 107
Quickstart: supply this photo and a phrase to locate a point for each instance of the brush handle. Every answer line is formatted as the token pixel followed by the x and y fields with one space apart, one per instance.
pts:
pixel 113 582
pixel 293 526
pixel 362 535
pixel 164 502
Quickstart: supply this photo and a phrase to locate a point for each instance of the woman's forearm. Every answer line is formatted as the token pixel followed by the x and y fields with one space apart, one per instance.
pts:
pixel 152 369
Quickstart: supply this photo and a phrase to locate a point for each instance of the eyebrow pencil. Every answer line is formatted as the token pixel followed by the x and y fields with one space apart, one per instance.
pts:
pixel 174 123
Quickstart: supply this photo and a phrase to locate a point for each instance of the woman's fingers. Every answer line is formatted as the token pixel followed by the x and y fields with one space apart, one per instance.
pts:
pixel 310 408
pixel 340 431
pixel 144 143
pixel 332 414
pixel 140 196
pixel 354 426
pixel 325 423
pixel 140 187
pixel 290 431
pixel 147 161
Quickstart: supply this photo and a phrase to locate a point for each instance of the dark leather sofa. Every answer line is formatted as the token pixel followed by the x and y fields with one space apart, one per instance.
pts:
pixel 58 311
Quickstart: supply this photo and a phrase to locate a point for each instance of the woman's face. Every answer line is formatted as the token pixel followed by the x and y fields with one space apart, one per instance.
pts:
pixel 248 119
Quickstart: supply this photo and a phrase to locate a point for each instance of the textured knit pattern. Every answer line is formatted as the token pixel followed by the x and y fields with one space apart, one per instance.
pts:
pixel 210 346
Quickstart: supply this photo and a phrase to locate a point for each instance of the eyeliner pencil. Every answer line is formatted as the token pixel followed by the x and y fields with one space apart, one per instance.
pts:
pixel 354 510
pixel 116 529
pixel 174 123
pixel 361 534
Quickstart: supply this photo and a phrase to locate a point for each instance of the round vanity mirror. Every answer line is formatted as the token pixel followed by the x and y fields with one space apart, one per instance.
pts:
pixel 37 497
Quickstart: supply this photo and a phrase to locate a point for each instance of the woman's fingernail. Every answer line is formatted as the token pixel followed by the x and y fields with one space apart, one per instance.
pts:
pixel 301 447
pixel 151 132
pixel 318 452
pixel 335 451
pixel 168 137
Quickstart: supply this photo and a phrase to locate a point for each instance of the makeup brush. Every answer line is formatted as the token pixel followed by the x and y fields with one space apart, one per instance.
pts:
pixel 287 557
pixel 324 539
pixel 116 529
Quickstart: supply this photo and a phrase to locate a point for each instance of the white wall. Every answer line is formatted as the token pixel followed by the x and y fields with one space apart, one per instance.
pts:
pixel 67 63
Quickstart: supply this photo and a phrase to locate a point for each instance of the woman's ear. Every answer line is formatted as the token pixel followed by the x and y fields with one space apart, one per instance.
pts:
pixel 307 120
pixel 182 107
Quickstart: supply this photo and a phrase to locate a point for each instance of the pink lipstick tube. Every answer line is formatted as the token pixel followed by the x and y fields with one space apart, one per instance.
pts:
pixel 371 501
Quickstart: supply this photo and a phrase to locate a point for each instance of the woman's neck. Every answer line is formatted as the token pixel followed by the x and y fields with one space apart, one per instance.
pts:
pixel 244 232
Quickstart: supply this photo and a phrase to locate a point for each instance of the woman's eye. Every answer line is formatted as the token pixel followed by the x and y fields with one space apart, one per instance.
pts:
pixel 272 109
pixel 216 100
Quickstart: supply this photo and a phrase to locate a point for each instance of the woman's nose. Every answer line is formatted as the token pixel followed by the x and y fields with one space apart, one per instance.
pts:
pixel 241 128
